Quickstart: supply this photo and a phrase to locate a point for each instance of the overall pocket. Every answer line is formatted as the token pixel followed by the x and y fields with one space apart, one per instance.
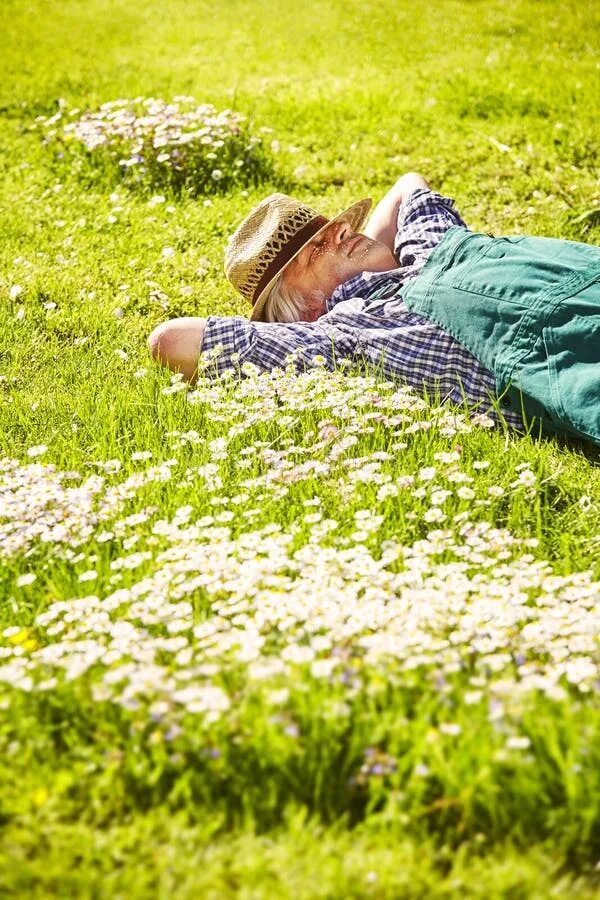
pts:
pixel 518 270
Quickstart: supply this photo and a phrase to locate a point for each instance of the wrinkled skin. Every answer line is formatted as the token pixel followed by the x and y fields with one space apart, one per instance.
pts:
pixel 330 259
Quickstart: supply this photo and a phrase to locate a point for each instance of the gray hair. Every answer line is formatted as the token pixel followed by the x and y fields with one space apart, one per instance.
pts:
pixel 285 304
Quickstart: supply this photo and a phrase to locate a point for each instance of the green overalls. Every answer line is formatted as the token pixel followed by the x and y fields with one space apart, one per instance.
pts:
pixel 529 310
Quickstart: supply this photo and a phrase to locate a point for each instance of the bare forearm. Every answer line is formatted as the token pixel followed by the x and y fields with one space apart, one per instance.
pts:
pixel 382 223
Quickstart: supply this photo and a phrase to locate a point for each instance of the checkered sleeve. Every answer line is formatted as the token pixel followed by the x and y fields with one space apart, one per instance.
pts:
pixel 423 219
pixel 233 342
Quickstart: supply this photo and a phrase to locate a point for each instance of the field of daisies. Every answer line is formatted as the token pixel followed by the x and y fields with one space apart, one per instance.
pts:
pixel 310 636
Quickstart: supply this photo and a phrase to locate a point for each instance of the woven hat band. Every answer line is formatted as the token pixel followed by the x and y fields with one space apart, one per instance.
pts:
pixel 289 249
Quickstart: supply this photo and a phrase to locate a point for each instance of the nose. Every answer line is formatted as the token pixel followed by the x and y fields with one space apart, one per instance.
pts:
pixel 338 233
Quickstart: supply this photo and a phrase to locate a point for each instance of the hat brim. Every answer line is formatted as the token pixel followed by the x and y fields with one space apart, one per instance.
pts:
pixel 355 216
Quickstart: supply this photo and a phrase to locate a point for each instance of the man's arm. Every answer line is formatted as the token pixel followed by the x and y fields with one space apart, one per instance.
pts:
pixel 177 344
pixel 228 342
pixel 423 220
pixel 383 222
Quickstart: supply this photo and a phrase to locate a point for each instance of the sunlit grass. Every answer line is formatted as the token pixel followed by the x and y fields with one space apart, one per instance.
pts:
pixel 314 636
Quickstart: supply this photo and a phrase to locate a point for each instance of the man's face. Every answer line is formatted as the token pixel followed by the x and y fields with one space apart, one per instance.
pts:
pixel 334 256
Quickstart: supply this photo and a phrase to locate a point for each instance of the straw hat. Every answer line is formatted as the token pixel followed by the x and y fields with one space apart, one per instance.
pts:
pixel 270 237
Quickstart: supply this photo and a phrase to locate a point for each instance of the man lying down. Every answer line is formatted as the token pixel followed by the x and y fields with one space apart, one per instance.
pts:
pixel 510 322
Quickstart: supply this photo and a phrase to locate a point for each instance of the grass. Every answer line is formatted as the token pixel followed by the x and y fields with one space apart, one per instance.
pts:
pixel 381 680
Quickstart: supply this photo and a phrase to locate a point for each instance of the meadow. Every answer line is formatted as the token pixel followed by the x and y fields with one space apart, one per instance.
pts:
pixel 309 636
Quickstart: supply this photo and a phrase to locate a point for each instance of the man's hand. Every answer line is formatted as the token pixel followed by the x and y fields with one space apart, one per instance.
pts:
pixel 177 344
pixel 383 222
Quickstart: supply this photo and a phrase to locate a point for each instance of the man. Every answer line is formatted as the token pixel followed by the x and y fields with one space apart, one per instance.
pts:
pixel 464 315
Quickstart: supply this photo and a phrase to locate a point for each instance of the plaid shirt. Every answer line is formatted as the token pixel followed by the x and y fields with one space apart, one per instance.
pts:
pixel 367 321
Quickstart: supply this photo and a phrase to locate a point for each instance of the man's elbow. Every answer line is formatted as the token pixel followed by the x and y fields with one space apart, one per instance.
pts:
pixel 157 342
pixel 409 182
pixel 177 344
pixel 164 344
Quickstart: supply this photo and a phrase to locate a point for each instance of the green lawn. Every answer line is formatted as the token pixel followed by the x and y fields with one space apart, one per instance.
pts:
pixel 308 637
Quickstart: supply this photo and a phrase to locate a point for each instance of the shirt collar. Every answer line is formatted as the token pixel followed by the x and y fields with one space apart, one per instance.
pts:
pixel 362 284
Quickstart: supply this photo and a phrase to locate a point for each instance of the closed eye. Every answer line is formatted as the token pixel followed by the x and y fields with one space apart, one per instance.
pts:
pixel 309 253
pixel 316 245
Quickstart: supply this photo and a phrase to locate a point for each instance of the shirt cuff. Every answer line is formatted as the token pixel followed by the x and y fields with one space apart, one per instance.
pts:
pixel 423 219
